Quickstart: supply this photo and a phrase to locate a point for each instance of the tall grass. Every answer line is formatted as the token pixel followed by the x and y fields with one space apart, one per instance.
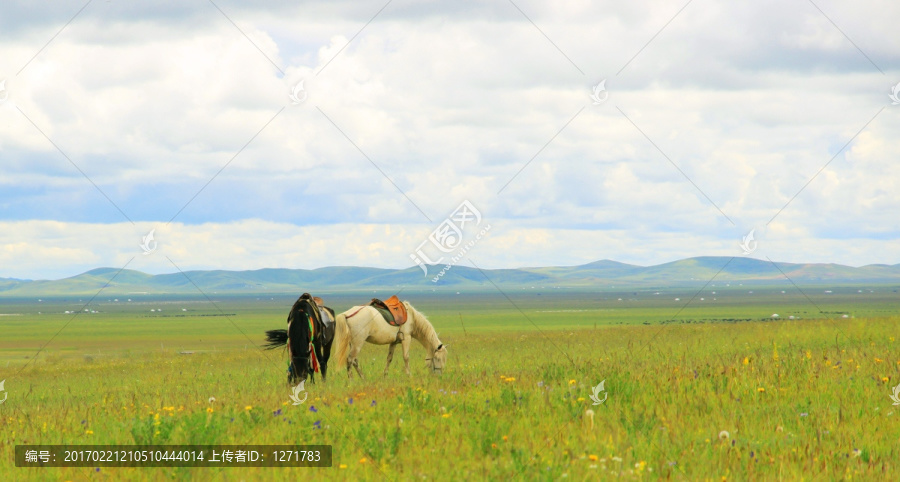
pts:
pixel 798 399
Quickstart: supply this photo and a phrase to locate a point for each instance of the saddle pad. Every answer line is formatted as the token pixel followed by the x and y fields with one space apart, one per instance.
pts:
pixel 326 318
pixel 385 314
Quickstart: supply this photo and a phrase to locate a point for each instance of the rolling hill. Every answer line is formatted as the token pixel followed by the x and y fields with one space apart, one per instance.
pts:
pixel 596 275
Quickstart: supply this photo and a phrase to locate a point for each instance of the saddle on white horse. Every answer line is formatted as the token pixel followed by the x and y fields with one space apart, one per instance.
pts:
pixel 392 310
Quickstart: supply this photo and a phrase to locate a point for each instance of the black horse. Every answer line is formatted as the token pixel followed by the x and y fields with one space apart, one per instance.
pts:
pixel 309 352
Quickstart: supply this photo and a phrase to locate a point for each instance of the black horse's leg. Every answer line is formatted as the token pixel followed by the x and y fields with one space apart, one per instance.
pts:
pixel 292 374
pixel 323 352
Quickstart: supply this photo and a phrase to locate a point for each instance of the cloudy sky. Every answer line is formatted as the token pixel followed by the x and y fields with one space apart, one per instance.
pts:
pixel 717 118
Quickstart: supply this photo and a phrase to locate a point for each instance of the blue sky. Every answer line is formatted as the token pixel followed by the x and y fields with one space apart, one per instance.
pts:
pixel 719 120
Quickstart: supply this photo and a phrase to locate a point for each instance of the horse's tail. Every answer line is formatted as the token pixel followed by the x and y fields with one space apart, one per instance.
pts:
pixel 275 339
pixel 341 338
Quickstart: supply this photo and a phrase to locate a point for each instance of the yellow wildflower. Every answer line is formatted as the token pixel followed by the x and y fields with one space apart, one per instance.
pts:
pixel 592 457
pixel 248 407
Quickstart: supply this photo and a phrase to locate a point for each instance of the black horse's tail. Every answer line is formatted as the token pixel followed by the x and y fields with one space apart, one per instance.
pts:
pixel 276 339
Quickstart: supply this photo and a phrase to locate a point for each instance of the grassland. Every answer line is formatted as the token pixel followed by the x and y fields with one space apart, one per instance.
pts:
pixel 802 399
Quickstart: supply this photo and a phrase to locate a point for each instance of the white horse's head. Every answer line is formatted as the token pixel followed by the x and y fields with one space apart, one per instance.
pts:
pixel 438 359
pixel 438 356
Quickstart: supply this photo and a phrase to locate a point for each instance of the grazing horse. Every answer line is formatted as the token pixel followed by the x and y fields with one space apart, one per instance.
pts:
pixel 362 324
pixel 308 338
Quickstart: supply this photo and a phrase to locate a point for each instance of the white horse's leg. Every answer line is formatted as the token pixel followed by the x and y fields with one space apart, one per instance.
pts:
pixel 391 351
pixel 353 360
pixel 356 364
pixel 390 357
pixel 358 340
pixel 407 342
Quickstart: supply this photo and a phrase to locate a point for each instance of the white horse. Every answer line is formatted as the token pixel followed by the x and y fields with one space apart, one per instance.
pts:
pixel 363 324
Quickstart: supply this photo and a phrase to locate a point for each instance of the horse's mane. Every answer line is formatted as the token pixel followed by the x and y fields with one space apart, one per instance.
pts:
pixel 422 328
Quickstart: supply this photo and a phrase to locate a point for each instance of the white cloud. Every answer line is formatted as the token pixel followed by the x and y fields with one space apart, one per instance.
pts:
pixel 450 102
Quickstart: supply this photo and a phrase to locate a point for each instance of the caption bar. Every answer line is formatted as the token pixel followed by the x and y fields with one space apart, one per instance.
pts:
pixel 173 455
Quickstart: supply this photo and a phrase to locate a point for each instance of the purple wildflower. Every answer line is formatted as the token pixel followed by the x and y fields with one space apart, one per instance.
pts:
pixel 373 403
pixel 312 408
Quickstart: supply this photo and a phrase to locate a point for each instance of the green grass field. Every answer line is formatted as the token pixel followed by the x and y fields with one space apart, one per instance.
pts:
pixel 802 399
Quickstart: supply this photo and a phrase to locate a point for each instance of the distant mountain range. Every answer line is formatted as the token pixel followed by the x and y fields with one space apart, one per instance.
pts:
pixel 598 275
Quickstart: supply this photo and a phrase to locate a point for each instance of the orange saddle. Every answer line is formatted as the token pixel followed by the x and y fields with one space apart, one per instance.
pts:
pixel 393 308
